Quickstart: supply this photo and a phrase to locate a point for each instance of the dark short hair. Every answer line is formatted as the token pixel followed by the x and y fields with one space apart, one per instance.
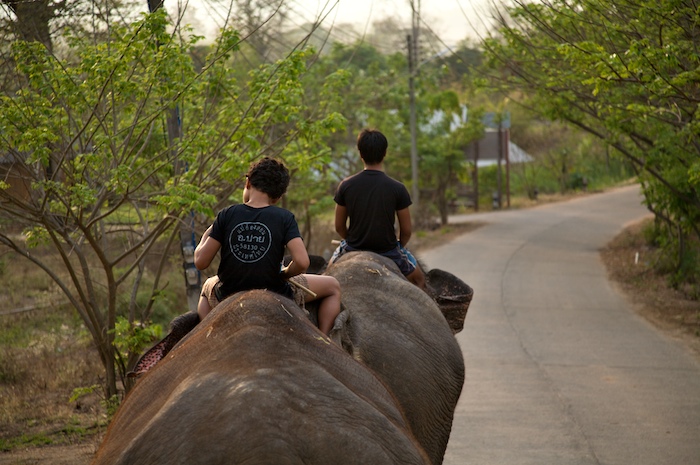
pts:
pixel 372 145
pixel 269 176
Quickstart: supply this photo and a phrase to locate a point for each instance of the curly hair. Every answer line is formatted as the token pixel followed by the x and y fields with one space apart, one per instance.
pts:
pixel 269 176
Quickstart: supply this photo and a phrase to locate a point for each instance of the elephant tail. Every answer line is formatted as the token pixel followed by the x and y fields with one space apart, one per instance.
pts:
pixel 341 333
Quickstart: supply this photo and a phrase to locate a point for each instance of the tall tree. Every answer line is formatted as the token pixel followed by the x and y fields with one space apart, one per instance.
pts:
pixel 32 19
pixel 374 89
pixel 88 141
pixel 625 71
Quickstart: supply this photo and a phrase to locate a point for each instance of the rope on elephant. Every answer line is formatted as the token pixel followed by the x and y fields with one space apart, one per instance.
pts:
pixel 293 282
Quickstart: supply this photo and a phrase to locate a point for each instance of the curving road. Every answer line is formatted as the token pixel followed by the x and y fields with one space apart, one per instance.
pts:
pixel 559 368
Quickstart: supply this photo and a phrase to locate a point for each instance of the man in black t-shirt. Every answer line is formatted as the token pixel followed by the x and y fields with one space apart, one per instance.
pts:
pixel 372 201
pixel 252 237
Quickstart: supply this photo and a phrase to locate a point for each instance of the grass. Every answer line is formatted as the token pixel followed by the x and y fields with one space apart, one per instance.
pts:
pixel 69 434
pixel 37 379
pixel 45 353
pixel 23 441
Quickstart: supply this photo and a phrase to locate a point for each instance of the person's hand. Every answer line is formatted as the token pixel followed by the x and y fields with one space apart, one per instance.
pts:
pixel 285 270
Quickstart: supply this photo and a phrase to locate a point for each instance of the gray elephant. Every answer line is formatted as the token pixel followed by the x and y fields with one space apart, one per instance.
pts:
pixel 406 337
pixel 256 383
pixel 394 330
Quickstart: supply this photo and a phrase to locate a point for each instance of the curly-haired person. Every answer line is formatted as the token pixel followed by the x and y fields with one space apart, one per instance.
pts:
pixel 252 237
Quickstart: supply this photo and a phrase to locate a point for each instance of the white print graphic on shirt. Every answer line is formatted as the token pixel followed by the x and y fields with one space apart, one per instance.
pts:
pixel 250 242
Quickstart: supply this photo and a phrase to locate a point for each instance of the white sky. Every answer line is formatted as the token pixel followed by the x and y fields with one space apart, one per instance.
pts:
pixel 451 20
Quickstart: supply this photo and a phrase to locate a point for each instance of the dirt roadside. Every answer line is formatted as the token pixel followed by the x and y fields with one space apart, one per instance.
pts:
pixel 628 260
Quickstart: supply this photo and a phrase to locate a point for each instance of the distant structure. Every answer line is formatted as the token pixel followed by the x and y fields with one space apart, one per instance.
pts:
pixel 484 152
pixel 495 148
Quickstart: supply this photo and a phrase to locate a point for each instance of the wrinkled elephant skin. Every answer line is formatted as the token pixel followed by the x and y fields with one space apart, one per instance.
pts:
pixel 399 332
pixel 257 383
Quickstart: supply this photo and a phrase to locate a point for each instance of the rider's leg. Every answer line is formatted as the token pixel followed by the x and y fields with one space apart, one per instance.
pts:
pixel 327 289
pixel 417 277
pixel 207 299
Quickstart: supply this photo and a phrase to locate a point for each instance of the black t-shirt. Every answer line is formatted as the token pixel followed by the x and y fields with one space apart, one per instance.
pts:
pixel 372 199
pixel 252 247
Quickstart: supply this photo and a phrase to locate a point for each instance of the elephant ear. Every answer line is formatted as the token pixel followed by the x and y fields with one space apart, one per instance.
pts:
pixel 452 295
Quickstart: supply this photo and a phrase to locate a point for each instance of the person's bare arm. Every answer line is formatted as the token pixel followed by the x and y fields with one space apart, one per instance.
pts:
pixel 206 250
pixel 300 258
pixel 404 217
pixel 341 221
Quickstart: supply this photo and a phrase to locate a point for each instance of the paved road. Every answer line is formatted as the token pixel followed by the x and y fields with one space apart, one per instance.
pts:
pixel 559 368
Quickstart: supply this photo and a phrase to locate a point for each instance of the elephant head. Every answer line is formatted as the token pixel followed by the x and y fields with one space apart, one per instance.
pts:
pixel 256 383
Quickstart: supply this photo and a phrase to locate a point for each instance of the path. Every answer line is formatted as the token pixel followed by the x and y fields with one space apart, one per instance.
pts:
pixel 559 368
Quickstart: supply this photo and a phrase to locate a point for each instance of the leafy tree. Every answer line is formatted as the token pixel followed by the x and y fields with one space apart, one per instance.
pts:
pixel 624 71
pixel 443 145
pixel 374 88
pixel 446 127
pixel 32 19
pixel 43 20
pixel 99 178
pixel 460 65
pixel 375 95
pixel 262 23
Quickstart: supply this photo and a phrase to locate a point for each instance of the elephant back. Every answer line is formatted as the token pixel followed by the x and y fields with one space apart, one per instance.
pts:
pixel 399 332
pixel 256 383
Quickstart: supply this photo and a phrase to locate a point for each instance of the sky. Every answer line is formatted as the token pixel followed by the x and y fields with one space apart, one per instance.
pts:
pixel 451 20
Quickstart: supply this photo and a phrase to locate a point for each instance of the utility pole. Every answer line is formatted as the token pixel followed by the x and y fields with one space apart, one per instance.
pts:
pixel 412 122
pixel 498 173
pixel 412 40
pixel 187 238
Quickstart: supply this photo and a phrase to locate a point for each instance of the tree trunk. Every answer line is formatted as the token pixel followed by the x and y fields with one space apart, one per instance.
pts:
pixel 33 20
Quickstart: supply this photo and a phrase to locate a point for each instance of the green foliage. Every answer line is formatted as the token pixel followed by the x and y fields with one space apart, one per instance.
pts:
pixel 23 333
pixel 678 260
pixel 155 303
pixel 624 71
pixel 126 137
pixel 371 92
pixel 376 95
pixel 36 236
pixel 84 391
pixel 132 337
pixel 167 303
pixel 111 404
pixel 565 158
pixel 688 270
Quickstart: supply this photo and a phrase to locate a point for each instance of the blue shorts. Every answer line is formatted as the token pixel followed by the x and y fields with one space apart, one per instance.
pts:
pixel 400 255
